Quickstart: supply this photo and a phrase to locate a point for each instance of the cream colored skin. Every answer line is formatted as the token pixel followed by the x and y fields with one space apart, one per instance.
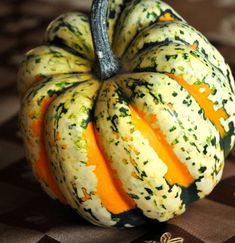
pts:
pixel 156 207
pixel 115 8
pixel 72 30
pixel 70 164
pixel 137 16
pixel 64 73
pixel 31 111
pixel 193 68
pixel 175 123
pixel 45 61
pixel 180 33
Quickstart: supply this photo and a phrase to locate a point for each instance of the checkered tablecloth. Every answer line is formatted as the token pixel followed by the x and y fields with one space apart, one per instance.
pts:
pixel 27 214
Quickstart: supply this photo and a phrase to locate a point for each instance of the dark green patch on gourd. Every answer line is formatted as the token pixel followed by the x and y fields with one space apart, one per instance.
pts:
pixel 50 92
pixel 134 217
pixel 91 214
pixel 202 169
pixel 60 110
pixel 85 122
pixel 197 55
pixel 224 102
pixel 134 87
pixel 127 150
pixel 187 102
pixel 121 97
pixel 33 57
pixel 116 143
pixel 33 92
pixel 179 48
pixel 152 68
pixel 134 196
pixel 37 59
pixel 168 57
pixel 214 91
pixel 143 174
pixel 203 51
pixel 213 141
pixel 194 145
pixel 186 56
pixel 71 126
pixel 225 142
pixel 205 147
pixel 200 111
pixel 159 188
pixel 149 191
pixel 190 194
pixel 112 14
pixel 163 206
pixel 174 94
pixel 70 27
pixel 145 162
pixel 39 101
pixel 159 98
pixel 173 71
pixel 151 14
pixel 59 42
pixel 114 121
pixel 172 129
pixel 177 38
pixel 62 87
pixel 56 53
pixel 175 141
pixel 149 45
pixel 231 82
pixel 185 138
pixel 124 112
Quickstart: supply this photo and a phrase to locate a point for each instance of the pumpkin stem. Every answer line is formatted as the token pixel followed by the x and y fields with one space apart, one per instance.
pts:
pixel 108 64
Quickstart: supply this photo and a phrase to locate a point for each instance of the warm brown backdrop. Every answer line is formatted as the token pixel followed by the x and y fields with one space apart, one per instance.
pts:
pixel 26 213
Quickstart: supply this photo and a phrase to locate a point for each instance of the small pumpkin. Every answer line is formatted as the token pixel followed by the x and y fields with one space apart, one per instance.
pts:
pixel 127 116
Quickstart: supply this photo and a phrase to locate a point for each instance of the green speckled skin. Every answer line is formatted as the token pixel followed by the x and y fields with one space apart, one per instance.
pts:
pixel 155 46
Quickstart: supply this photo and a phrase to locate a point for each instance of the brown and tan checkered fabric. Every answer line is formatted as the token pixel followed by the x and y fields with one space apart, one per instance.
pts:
pixel 27 214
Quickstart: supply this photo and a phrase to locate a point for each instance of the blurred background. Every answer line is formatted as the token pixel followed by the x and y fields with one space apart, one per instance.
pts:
pixel 26 213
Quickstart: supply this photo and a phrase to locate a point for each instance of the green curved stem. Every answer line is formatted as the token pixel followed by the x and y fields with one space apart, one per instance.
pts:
pixel 107 64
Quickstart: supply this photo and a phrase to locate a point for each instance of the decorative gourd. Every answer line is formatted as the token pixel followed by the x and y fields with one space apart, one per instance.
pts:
pixel 133 132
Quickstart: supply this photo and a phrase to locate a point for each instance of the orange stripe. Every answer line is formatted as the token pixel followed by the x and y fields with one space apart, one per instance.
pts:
pixel 200 92
pixel 109 186
pixel 177 172
pixel 166 17
pixel 41 166
pixel 194 46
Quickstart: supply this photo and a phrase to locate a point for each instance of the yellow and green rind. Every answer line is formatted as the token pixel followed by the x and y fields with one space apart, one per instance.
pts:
pixel 45 61
pixel 157 49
